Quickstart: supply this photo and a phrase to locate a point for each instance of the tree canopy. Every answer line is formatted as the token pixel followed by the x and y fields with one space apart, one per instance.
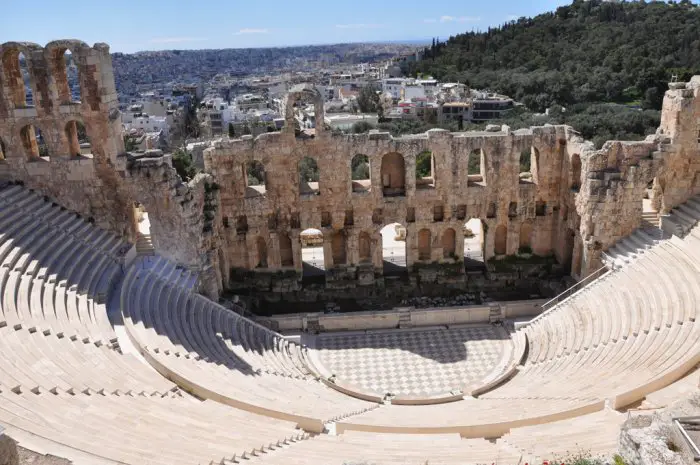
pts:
pixel 589 51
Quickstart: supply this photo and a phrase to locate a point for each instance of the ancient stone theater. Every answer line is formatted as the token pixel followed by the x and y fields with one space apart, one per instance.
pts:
pixel 114 347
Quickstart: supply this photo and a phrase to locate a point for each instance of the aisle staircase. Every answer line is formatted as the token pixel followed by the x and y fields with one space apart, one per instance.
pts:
pixel 144 245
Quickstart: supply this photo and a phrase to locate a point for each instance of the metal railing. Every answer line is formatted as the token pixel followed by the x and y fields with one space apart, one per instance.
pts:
pixel 551 304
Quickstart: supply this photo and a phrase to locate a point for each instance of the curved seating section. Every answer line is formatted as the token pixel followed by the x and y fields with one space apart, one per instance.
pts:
pixel 630 333
pixel 65 387
pixel 217 354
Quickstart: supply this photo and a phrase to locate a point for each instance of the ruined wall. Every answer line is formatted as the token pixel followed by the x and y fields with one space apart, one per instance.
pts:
pixel 106 184
pixel 576 202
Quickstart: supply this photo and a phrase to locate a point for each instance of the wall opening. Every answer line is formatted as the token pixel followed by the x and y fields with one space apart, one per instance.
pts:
pixel 33 143
pixel 569 242
pixel 529 162
pixel 474 234
pixel 16 69
pixel 577 260
pixel 261 249
pixel 143 230
pixel 78 142
pixel 438 213
pixel 360 173
pixel 476 166
pixel 424 244
pixel 309 176
pixel 338 248
pixel 575 172
pixel 313 264
pixel 501 240
pixel 286 250
pixel 425 170
pixel 525 240
pixel 393 173
pixel 255 179
pixel 364 247
pixel 3 152
pixel 394 249
pixel 66 77
pixel 449 244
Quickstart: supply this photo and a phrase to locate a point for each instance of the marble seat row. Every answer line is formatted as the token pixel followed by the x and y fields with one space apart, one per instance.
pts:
pixel 215 353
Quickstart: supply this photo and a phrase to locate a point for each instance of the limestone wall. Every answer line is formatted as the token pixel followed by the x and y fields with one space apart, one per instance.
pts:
pixel 575 202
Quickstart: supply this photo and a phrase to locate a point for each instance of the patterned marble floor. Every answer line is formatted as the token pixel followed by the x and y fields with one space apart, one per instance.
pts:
pixel 416 363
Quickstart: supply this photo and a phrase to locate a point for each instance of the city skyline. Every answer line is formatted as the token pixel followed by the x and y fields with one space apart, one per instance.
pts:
pixel 160 25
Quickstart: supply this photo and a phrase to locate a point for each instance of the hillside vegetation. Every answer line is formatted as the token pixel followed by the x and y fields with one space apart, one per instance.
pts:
pixel 581 56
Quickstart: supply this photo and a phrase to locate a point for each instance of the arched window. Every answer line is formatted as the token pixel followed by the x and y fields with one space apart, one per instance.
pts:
pixel 365 247
pixel 65 73
pixel 254 178
pixel 360 173
pixel 575 172
pixel 501 240
pixel 33 143
pixel 393 173
pixel 286 251
pixel 525 242
pixel 16 69
pixel 425 169
pixel 476 166
pixel 449 243
pixel 309 176
pixel 529 163
pixel 424 244
pixel 262 252
pixel 338 248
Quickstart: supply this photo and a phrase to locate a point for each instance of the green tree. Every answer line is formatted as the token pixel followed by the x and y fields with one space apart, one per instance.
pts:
pixel 368 99
pixel 182 162
pixel 231 131
pixel 361 127
pixel 424 165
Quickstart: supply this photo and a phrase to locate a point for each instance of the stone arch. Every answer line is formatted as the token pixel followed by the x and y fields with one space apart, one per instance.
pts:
pixel 58 54
pixel 449 243
pixel 425 170
pixel 254 178
pixel 309 177
pixel 474 232
pixel 71 133
pixel 393 174
pixel 302 92
pixel 286 250
pixel 313 261
pixel 338 248
pixel 361 173
pixel 261 248
pixel 394 239
pixel 575 172
pixel 364 246
pixel 525 240
pixel 33 143
pixel 16 66
pixel 424 244
pixel 501 240
pixel 476 166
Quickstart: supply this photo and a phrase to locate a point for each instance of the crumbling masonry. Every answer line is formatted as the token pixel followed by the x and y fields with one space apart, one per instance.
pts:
pixel 576 202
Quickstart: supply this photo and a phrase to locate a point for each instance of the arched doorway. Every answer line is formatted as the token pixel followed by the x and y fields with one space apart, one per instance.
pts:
pixel 393 173
pixel 474 234
pixel 501 240
pixel 312 257
pixel 424 245
pixel 338 248
pixel 261 249
pixel 394 249
pixel 286 250
pixel 142 228
pixel 449 245
pixel 365 247
pixel 525 240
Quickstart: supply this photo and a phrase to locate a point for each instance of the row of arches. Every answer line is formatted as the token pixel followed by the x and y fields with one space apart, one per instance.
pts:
pixel 393 246
pixel 35 147
pixel 63 68
pixel 393 173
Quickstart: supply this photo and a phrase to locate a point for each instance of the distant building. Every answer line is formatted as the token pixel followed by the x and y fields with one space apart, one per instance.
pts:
pixel 345 121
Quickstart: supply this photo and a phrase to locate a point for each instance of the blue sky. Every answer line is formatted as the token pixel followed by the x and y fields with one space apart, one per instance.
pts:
pixel 130 25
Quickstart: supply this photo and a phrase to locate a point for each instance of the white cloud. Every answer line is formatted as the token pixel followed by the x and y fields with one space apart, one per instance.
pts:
pixel 358 26
pixel 460 19
pixel 175 40
pixel 251 30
